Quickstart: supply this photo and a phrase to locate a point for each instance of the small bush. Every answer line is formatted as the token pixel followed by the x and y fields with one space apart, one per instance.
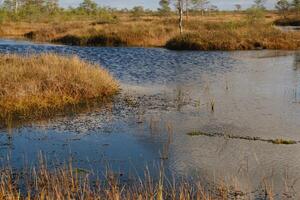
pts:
pixel 69 40
pixel 30 35
pixel 105 40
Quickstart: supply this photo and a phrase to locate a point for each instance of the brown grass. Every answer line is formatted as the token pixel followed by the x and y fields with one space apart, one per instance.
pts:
pixel 41 85
pixel 64 182
pixel 218 31
pixel 238 35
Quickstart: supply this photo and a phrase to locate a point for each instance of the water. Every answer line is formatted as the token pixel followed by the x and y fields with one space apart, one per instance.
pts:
pixel 289 28
pixel 254 93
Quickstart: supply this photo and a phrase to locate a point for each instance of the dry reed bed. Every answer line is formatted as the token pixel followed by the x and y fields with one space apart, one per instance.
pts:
pixel 66 183
pixel 38 86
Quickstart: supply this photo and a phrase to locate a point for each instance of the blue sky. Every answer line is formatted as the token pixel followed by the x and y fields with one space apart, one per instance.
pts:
pixel 153 4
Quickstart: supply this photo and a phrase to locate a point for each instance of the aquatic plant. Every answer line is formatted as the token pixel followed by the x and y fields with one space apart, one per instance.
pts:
pixel 283 141
pixel 196 133
pixel 230 136
pixel 38 86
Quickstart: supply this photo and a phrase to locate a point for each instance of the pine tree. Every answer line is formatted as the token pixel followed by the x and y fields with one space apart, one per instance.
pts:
pixel 296 5
pixel 164 6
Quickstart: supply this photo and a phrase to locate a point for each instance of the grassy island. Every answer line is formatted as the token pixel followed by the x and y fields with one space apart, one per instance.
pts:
pixel 38 86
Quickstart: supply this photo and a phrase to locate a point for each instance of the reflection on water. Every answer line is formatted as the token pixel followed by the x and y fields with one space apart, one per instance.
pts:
pixel 253 93
pixel 297 60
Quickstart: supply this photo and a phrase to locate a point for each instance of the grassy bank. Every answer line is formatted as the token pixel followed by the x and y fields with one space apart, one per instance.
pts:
pixel 235 36
pixel 218 31
pixel 39 86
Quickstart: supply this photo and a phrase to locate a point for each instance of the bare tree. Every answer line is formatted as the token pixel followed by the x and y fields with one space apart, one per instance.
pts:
pixel 11 5
pixel 180 12
pixel 200 5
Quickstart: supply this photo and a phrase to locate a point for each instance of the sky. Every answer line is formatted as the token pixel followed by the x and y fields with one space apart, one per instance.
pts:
pixel 153 4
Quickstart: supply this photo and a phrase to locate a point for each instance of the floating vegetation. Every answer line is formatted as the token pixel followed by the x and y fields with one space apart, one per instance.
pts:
pixel 198 133
pixel 249 138
pixel 281 141
pixel 81 171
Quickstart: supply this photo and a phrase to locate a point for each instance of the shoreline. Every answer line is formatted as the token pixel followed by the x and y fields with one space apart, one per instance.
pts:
pixel 34 42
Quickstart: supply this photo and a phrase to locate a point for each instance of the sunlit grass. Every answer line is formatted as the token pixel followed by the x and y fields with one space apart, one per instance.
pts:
pixel 68 182
pixel 41 85
pixel 217 36
pixel 219 31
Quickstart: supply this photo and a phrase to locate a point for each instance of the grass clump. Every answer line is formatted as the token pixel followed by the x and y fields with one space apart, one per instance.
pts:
pixel 38 86
pixel 106 40
pixel 196 133
pixel 235 37
pixel 240 137
pixel 282 141
pixel 68 40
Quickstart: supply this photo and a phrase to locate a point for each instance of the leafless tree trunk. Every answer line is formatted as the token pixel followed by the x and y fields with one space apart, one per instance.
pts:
pixel 15 5
pixel 180 9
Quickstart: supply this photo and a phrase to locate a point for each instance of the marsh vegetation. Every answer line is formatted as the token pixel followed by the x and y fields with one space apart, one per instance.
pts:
pixel 246 104
pixel 89 25
pixel 37 86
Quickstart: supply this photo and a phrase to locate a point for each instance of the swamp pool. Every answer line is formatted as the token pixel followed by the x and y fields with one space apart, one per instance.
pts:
pixel 168 95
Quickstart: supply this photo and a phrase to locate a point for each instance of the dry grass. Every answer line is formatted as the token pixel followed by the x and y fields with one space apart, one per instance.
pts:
pixel 235 36
pixel 66 183
pixel 40 85
pixel 219 31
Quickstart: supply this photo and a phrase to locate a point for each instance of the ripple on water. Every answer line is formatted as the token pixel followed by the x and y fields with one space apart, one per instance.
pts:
pixel 254 93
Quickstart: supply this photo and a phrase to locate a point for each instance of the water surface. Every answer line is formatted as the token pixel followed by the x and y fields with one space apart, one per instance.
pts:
pixel 254 93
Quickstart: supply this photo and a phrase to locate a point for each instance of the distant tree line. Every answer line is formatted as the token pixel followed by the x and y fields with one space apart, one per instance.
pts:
pixel 34 9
